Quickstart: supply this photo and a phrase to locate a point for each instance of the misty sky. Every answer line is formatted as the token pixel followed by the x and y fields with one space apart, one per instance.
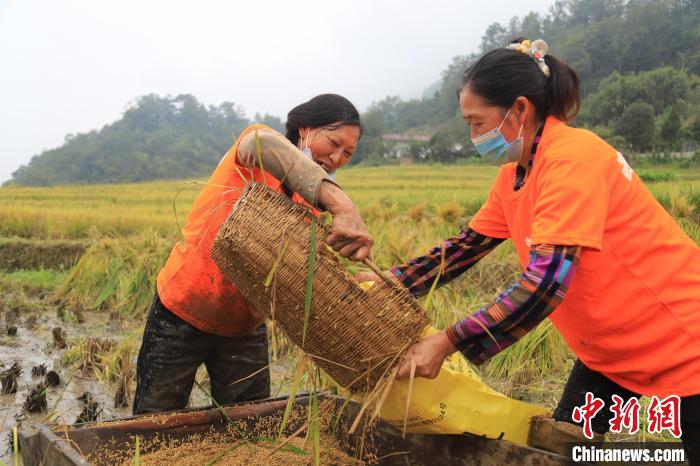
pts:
pixel 72 66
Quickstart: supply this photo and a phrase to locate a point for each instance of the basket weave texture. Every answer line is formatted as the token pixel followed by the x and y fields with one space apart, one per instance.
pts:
pixel 356 336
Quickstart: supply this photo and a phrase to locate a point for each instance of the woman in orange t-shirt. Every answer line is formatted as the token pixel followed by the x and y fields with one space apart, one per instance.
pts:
pixel 602 259
pixel 198 317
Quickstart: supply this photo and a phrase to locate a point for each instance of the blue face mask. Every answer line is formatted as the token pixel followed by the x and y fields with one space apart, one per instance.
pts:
pixel 493 146
pixel 309 155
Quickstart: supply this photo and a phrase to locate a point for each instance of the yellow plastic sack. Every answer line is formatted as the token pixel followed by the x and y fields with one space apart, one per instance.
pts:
pixel 458 401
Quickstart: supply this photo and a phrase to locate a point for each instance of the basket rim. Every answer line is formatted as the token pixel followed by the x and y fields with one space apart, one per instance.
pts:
pixel 297 206
pixel 307 214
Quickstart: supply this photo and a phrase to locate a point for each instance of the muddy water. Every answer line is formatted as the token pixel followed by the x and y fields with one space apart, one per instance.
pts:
pixel 33 346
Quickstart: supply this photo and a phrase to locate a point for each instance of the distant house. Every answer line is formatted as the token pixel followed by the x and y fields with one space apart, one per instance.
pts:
pixel 689 147
pixel 404 146
pixel 405 137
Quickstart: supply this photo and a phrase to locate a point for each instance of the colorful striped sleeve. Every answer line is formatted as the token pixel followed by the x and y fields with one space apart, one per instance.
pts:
pixel 460 253
pixel 523 305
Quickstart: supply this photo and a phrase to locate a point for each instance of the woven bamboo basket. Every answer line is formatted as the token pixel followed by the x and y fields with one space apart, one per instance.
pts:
pixel 357 336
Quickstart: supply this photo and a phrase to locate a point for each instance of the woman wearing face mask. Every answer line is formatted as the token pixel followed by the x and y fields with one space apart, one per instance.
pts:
pixel 601 257
pixel 197 316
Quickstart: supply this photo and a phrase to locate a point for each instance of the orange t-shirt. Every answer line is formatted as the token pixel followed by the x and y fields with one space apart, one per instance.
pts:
pixel 632 311
pixel 190 284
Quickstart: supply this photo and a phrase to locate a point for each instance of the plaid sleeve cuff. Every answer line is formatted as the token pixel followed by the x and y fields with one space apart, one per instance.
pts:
pixel 444 262
pixel 450 332
pixel 519 309
pixel 398 274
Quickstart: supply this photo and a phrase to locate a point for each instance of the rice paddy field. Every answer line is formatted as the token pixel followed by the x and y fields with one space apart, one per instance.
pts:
pixel 83 320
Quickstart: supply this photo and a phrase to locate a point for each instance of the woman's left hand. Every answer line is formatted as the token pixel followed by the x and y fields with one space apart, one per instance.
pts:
pixel 349 235
pixel 428 354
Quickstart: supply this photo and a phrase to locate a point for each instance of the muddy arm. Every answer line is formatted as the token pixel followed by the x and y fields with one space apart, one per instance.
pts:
pixel 284 160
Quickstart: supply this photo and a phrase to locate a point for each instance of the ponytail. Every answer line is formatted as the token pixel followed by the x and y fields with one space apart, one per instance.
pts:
pixel 562 89
pixel 502 75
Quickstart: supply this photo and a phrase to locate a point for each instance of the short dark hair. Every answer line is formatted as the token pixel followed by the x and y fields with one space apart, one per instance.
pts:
pixel 502 75
pixel 322 111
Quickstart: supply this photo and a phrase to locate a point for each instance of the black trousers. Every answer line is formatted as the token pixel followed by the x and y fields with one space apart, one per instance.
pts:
pixel 172 350
pixel 582 380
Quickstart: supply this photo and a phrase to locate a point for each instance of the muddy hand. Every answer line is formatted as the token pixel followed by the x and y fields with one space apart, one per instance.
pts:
pixel 428 354
pixel 349 235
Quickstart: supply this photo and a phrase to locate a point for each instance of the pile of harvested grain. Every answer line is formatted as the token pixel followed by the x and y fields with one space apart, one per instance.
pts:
pixel 248 440
pixel 356 336
pixel 200 450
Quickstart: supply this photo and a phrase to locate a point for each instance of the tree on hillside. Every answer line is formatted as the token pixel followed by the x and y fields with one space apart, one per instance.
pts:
pixel 636 125
pixel 670 127
pixel 273 122
pixel 601 36
pixel 157 137
pixel 624 50
pixel 627 52
pixel 695 129
pixel 452 78
pixel 661 88
pixel 445 148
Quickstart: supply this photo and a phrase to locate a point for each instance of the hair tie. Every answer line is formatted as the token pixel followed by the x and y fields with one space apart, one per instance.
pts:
pixel 536 49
